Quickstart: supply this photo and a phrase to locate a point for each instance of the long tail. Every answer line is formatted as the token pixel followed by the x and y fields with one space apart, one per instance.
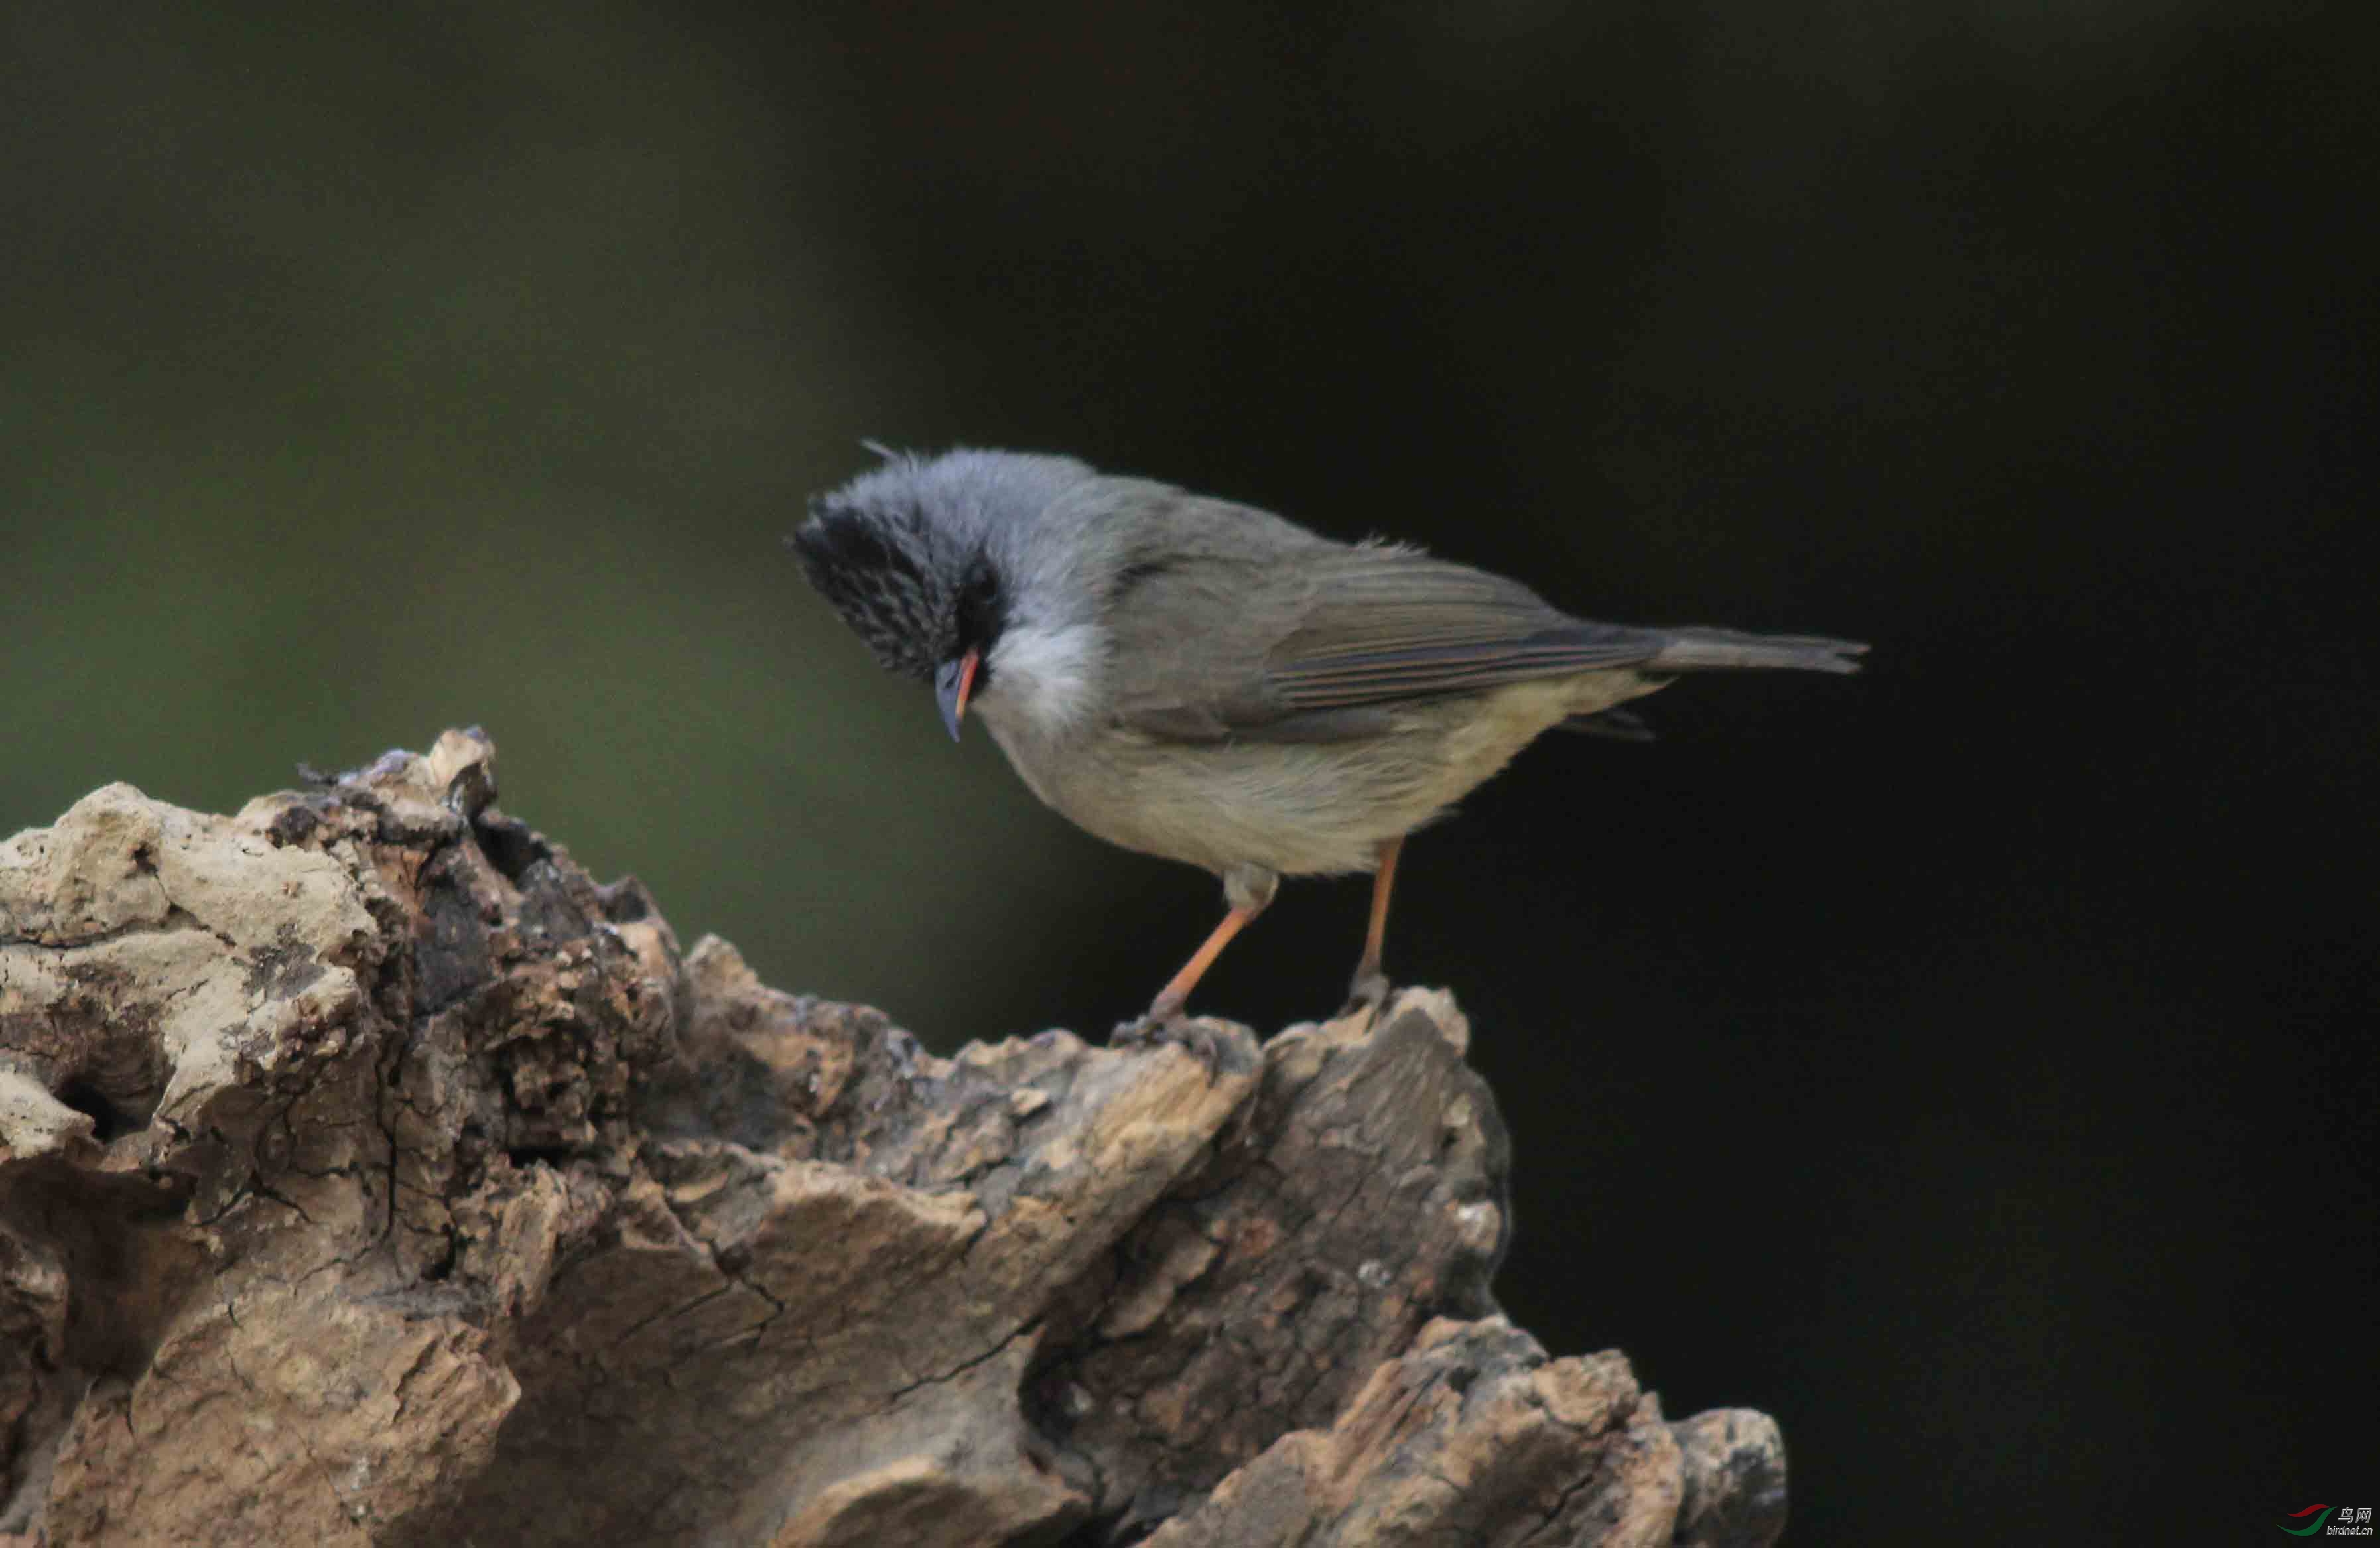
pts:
pixel 1717 649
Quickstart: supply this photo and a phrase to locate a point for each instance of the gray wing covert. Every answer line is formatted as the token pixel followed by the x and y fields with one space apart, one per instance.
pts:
pixel 1320 642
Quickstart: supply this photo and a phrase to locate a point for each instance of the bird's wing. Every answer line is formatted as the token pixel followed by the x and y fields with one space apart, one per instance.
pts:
pixel 1319 640
pixel 1387 624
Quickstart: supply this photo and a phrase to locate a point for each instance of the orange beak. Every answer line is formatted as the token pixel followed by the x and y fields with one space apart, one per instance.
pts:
pixel 951 686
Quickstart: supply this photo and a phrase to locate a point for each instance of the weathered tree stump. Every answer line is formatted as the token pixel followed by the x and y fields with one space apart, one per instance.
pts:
pixel 371 1175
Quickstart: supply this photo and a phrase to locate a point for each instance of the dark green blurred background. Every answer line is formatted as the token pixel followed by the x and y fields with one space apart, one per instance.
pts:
pixel 1971 1062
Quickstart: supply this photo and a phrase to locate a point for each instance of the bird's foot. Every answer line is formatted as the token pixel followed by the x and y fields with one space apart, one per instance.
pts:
pixel 1161 1026
pixel 1369 990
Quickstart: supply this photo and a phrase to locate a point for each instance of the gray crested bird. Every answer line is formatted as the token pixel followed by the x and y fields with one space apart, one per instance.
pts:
pixel 1202 680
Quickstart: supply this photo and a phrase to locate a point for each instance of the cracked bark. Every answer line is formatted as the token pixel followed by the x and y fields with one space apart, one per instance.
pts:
pixel 371 1174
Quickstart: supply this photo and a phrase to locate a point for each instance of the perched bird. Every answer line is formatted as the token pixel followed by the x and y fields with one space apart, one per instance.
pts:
pixel 1202 680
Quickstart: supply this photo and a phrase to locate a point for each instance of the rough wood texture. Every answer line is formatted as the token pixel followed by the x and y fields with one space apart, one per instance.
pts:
pixel 372 1176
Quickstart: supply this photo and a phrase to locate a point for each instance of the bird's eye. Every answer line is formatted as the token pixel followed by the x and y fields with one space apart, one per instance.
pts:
pixel 981 609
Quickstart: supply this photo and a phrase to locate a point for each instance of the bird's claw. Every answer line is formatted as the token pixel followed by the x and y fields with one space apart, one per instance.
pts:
pixel 1368 991
pixel 1195 1038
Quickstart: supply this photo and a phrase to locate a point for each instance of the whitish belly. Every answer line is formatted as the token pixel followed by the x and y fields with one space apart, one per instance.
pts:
pixel 1301 809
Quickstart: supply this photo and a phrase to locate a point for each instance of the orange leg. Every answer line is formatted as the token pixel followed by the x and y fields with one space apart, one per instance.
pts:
pixel 1176 993
pixel 1370 983
pixel 1248 890
pixel 1383 880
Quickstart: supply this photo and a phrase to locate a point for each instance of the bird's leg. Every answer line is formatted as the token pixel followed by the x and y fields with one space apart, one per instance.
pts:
pixel 1170 1001
pixel 1247 890
pixel 1370 985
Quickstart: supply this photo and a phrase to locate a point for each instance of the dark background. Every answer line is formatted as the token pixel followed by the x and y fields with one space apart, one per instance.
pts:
pixel 1970 1062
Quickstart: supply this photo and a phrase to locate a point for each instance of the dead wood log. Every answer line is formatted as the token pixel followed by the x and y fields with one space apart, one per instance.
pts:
pixel 372 1176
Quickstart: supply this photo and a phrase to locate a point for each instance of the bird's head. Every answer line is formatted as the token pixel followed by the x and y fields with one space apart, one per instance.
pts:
pixel 917 556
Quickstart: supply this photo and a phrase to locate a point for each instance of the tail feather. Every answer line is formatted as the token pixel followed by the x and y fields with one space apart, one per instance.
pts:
pixel 1700 650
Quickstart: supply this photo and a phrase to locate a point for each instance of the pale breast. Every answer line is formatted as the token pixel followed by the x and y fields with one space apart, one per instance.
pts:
pixel 1298 808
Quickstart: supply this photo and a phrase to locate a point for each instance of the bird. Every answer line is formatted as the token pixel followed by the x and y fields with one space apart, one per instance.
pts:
pixel 1202 680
